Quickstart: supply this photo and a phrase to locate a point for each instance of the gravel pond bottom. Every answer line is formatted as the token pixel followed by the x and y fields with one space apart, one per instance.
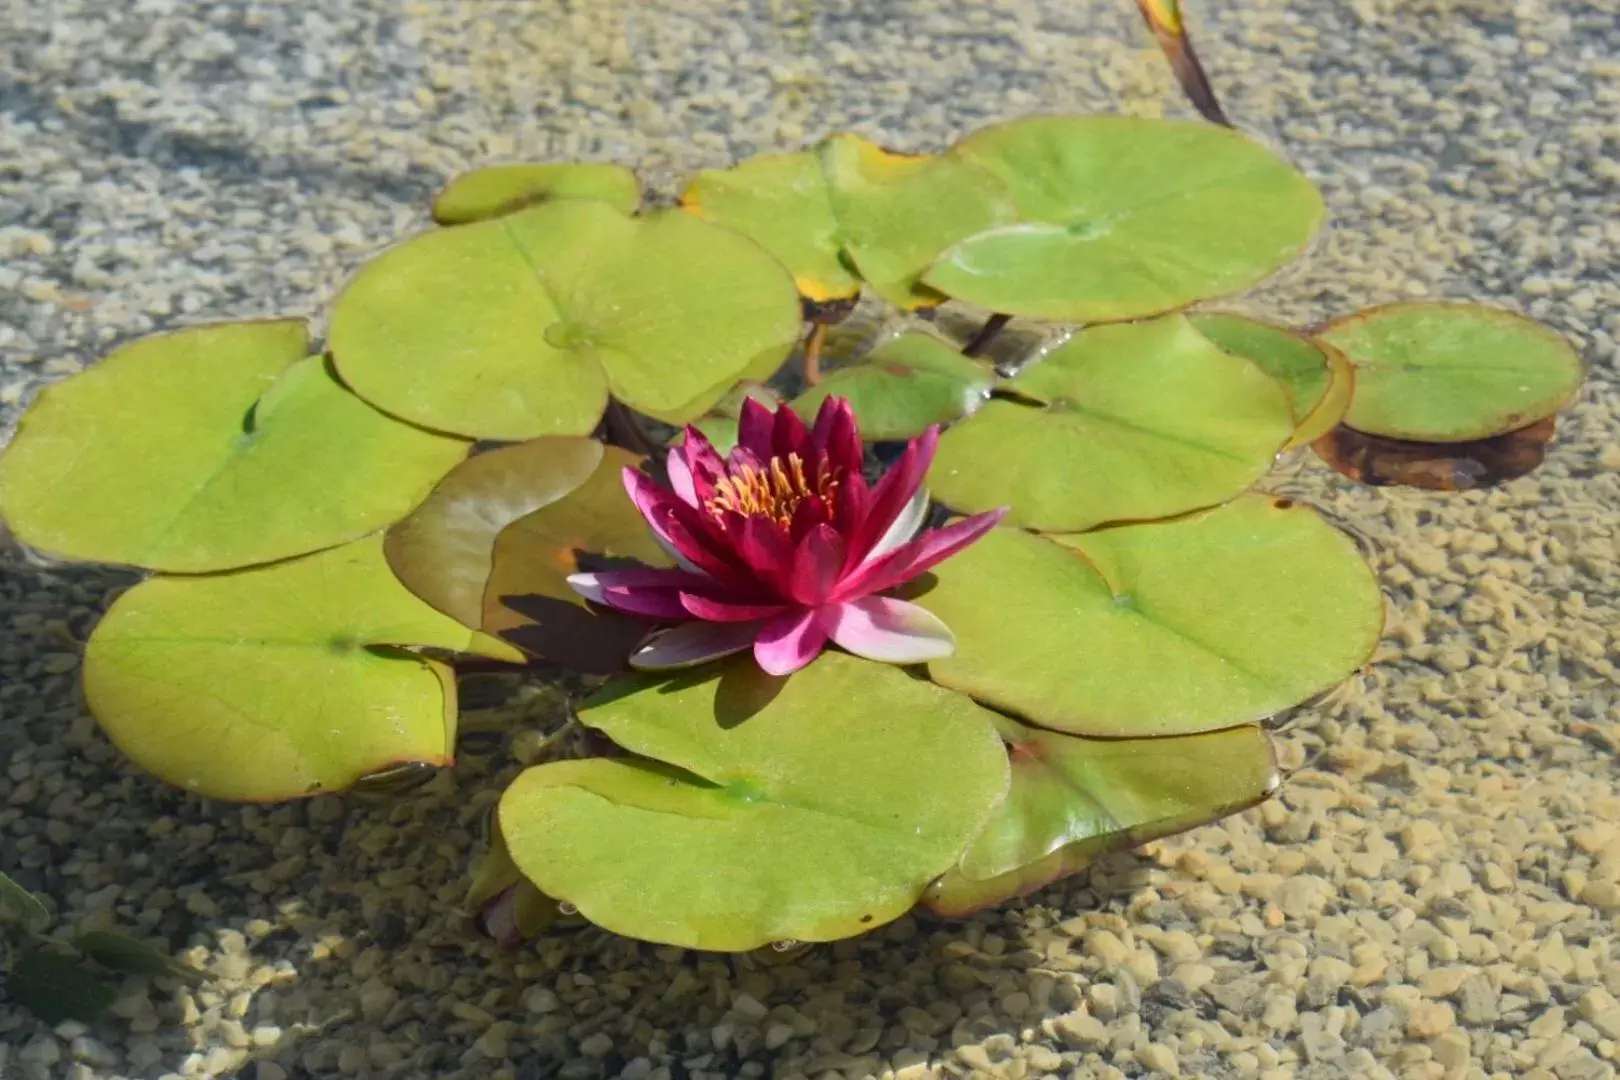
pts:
pixel 1433 895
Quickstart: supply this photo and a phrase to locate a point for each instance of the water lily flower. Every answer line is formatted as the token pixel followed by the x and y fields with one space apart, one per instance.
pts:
pixel 782 547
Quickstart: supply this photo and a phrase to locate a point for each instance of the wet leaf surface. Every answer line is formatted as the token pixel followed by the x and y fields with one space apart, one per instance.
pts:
pixel 1127 422
pixel 501 189
pixel 905 385
pixel 521 326
pixel 1212 620
pixel 1073 799
pixel 1317 377
pixel 277 682
pixel 1440 372
pixel 897 212
pixel 209 449
pixel 781 203
pixel 1121 217
pixel 1458 466
pixel 766 815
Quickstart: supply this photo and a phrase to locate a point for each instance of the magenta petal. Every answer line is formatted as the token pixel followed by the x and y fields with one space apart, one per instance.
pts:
pixel 713 609
pixel 817 562
pixel 651 594
pixel 767 552
pixel 903 528
pixel 680 476
pixel 850 505
pixel 498 918
pixel 788 642
pixel 789 436
pixel 897 488
pixel 837 436
pixel 909 560
pixel 693 643
pixel 890 631
pixel 706 466
pixel 680 529
pixel 754 426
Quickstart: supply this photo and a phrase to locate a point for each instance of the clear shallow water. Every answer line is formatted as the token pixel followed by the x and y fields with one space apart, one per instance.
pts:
pixel 1451 843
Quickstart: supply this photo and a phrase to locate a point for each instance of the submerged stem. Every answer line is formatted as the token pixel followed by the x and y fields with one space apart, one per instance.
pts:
pixel 813 342
pixel 987 334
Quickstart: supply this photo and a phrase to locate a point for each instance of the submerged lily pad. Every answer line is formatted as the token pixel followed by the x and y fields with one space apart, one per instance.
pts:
pixel 520 326
pixel 1447 466
pixel 905 385
pixel 208 449
pixel 1317 377
pixel 500 189
pixel 897 212
pixel 1122 423
pixel 56 987
pixel 768 815
pixel 132 956
pixel 22 905
pixel 1438 372
pixel 1121 217
pixel 1073 799
pixel 1208 621
pixel 527 600
pixel 276 682
pixel 780 202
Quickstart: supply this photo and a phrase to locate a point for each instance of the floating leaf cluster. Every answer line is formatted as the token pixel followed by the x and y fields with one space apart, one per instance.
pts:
pixel 335 526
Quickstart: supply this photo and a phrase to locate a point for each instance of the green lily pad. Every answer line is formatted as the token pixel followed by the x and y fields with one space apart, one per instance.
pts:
pixel 905 385
pixel 444 552
pixel 500 189
pixel 209 449
pixel 23 905
pixel 768 816
pixel 1208 621
pixel 131 956
pixel 897 212
pixel 1435 372
pixel 1123 423
pixel 56 987
pixel 1317 377
pixel 780 202
pixel 527 601
pixel 276 682
pixel 520 326
pixel 719 424
pixel 1122 217
pixel 1073 799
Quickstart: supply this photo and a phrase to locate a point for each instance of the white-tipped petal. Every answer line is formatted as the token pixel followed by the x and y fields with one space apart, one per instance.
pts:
pixel 693 643
pixel 890 631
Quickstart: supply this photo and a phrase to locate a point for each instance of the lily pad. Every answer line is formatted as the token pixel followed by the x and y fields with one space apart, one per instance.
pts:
pixel 1209 621
pixel 209 449
pixel 1121 217
pixel 1317 377
pixel 56 987
pixel 905 385
pixel 132 956
pixel 768 816
pixel 276 682
pixel 520 326
pixel 780 202
pixel 500 189
pixel 527 601
pixel 1122 423
pixel 1073 799
pixel 1436 372
pixel 897 212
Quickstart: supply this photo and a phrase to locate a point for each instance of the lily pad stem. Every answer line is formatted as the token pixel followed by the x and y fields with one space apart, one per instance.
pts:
pixel 987 334
pixel 813 342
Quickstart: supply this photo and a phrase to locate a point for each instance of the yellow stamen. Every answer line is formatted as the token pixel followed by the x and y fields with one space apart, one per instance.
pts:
pixel 774 492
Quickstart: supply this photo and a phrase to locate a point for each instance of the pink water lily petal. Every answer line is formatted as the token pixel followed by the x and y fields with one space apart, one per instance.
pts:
pixel 904 527
pixel 890 631
pixel 680 476
pixel 693 643
pixel 916 557
pixel 817 562
pixel 788 642
pixel 755 423
pixel 767 551
pixel 836 435
pixel 894 492
pixel 681 530
pixel 789 436
pixel 716 609
pixel 703 462
pixel 652 594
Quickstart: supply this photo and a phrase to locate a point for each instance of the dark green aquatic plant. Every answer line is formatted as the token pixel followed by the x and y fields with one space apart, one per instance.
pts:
pixel 336 527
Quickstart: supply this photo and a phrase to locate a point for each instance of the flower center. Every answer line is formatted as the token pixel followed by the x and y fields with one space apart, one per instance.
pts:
pixel 776 491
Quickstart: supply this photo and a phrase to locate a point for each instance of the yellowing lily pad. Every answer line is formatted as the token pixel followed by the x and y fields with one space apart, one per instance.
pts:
pixel 1209 621
pixel 1074 799
pixel 1317 377
pixel 897 212
pixel 1120 217
pixel 768 815
pixel 500 189
pixel 1123 423
pixel 276 682
pixel 208 449
pixel 905 385
pixel 1436 372
pixel 527 601
pixel 780 202
pixel 520 326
